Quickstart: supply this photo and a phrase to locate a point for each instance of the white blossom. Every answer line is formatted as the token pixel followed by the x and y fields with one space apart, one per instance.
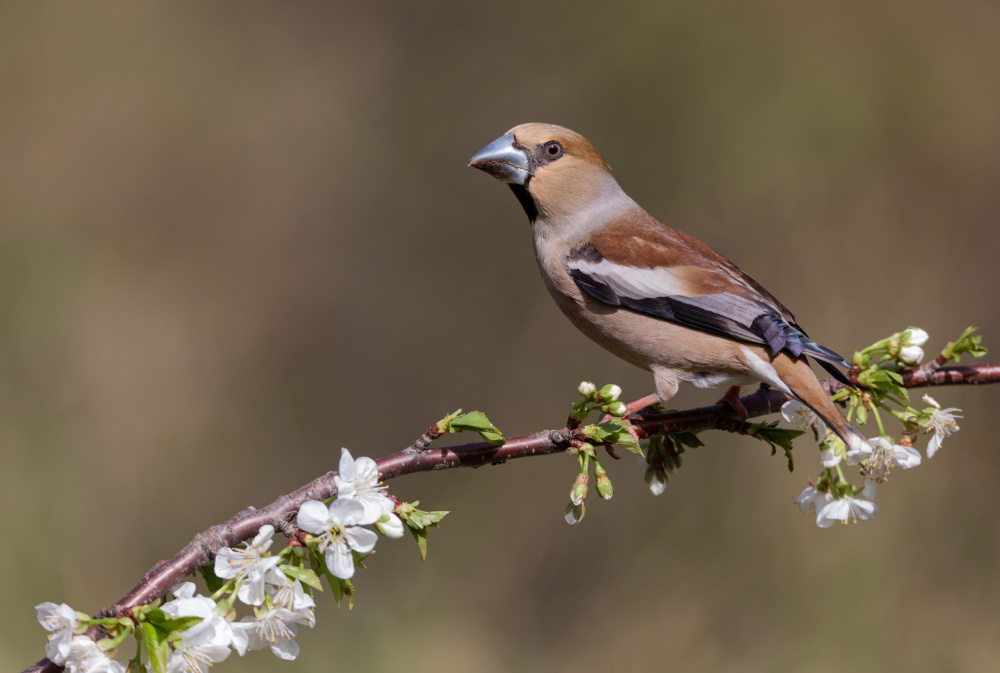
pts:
pixel 204 643
pixel 846 510
pixel 85 656
pixel 275 628
pixel 358 480
pixel 60 621
pixel 801 417
pixel 586 388
pixel 338 530
pixel 868 492
pixel 249 567
pixel 884 455
pixel 390 525
pixel 811 500
pixel 941 423
pixel 201 646
pixel 292 597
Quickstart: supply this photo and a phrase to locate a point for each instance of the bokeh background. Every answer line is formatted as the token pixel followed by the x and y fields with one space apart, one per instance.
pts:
pixel 235 237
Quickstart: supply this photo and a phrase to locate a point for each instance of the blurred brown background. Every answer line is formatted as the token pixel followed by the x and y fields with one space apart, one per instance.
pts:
pixel 238 236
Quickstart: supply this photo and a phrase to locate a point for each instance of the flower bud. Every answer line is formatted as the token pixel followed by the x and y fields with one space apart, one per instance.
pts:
pixel 657 479
pixel 604 488
pixel 915 336
pixel 617 409
pixel 574 513
pixel 390 525
pixel 911 355
pixel 610 393
pixel 586 388
pixel 579 492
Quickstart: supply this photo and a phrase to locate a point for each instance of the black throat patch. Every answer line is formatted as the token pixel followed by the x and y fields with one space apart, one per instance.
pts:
pixel 525 199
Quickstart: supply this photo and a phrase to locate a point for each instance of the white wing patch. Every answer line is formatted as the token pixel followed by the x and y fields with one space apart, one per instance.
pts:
pixel 628 281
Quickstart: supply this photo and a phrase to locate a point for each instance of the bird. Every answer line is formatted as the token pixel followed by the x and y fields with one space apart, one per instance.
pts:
pixel 652 295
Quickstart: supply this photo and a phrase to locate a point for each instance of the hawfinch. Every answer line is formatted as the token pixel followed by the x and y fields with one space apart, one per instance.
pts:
pixel 652 295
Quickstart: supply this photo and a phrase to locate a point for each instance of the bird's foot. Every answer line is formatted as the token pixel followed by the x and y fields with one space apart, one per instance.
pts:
pixel 732 398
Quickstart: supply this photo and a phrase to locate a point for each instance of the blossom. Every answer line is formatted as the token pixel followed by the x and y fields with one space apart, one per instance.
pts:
pixel 846 510
pixel 390 525
pixel 358 480
pixel 204 643
pixel 60 620
pixel 801 417
pixel 250 568
pixel 338 530
pixel 86 656
pixel 941 423
pixel 292 597
pixel 275 628
pixel 883 455
pixel 201 646
pixel 586 388
pixel 811 500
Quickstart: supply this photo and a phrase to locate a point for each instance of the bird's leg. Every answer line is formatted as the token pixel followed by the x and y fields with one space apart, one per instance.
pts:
pixel 641 403
pixel 630 409
pixel 732 398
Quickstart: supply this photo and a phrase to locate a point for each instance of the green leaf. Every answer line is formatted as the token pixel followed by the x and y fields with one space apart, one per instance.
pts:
pixel 420 535
pixel 967 343
pixel 476 421
pixel 156 646
pixel 883 380
pixel 613 431
pixel 212 581
pixel 304 575
pixel 418 518
pixel 339 587
pixel 688 439
pixel 776 437
pixel 168 624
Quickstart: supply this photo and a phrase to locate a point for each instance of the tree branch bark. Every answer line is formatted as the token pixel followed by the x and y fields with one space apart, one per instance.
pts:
pixel 417 458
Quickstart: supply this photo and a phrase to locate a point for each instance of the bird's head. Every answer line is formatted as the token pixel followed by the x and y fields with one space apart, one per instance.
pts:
pixel 555 173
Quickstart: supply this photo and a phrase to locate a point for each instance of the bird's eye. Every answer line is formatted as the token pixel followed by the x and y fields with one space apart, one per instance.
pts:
pixel 553 150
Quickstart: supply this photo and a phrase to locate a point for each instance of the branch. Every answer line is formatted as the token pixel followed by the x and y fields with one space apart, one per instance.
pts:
pixel 418 458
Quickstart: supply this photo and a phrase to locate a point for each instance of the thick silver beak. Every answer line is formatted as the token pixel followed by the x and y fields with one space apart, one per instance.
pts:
pixel 503 161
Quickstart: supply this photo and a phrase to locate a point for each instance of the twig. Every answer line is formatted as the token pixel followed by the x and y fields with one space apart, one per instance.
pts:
pixel 418 458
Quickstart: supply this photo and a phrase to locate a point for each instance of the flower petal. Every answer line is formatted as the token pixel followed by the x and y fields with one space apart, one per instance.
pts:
pixel 348 469
pixel 346 512
pixel 361 540
pixel 314 517
pixel 340 561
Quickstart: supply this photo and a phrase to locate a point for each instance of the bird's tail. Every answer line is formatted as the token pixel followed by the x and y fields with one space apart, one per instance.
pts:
pixel 799 378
